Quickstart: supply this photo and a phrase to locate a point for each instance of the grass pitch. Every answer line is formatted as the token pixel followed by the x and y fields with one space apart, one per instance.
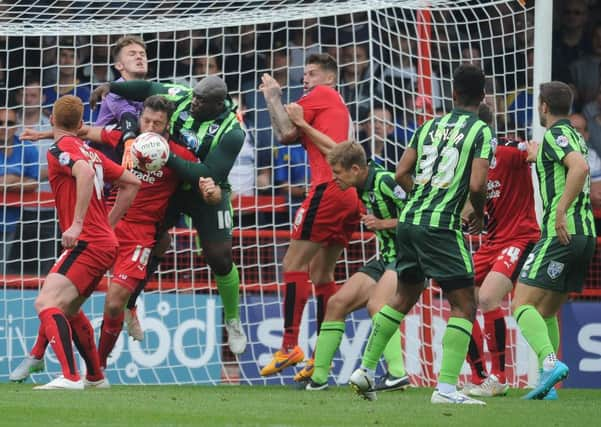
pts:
pixel 281 406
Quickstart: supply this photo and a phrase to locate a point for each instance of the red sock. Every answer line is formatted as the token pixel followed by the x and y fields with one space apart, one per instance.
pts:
pixel 41 342
pixel 109 333
pixel 495 329
pixel 83 337
pixel 323 292
pixel 298 290
pixel 475 356
pixel 58 333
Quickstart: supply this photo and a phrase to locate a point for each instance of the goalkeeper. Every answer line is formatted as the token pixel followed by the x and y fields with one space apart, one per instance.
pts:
pixel 205 122
pixel 373 284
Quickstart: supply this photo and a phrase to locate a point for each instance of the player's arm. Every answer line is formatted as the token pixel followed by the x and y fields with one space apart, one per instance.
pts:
pixel 84 182
pixel 128 186
pixel 29 134
pixel 478 181
pixel 134 90
pixel 578 171
pixel 322 141
pixel 392 193
pixel 405 168
pixel 285 131
pixel 216 165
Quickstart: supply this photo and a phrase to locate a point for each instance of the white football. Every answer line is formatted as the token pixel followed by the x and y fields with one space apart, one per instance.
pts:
pixel 150 152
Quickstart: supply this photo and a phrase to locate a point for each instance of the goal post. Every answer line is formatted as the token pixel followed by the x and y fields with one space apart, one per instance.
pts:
pixel 396 60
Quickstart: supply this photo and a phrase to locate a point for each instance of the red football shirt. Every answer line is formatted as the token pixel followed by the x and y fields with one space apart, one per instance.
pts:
pixel 61 157
pixel 157 187
pixel 325 110
pixel 510 201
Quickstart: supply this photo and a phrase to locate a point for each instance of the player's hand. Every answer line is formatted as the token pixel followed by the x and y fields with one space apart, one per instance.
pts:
pixel 29 134
pixel 98 94
pixel 127 160
pixel 210 192
pixel 296 114
pixel 532 149
pixel 270 87
pixel 71 234
pixel 370 222
pixel 475 223
pixel 561 228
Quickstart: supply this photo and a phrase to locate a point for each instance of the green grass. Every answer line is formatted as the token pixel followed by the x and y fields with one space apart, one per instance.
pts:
pixel 280 406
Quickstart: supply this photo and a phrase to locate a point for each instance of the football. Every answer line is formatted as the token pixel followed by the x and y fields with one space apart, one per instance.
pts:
pixel 149 152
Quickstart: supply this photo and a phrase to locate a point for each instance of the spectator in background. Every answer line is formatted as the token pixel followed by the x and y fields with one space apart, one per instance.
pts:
pixel 378 139
pixel 570 41
pixel 97 68
pixel 242 174
pixel 584 72
pixel 579 123
pixel 355 79
pixel 67 82
pixel 39 230
pixel 18 173
pixel 304 41
pixel 520 104
pixel 205 64
pixel 592 114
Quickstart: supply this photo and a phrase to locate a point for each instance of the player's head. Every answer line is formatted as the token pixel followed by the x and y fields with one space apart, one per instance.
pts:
pixel 468 86
pixel 129 56
pixel 155 115
pixel 320 69
pixel 349 164
pixel 67 113
pixel 8 126
pixel 555 100
pixel 209 98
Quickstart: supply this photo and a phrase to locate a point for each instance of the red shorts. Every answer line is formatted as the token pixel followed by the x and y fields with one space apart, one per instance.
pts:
pixel 135 246
pixel 85 264
pixel 506 259
pixel 328 215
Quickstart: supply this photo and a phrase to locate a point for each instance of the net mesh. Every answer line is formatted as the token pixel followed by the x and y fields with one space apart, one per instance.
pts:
pixel 396 61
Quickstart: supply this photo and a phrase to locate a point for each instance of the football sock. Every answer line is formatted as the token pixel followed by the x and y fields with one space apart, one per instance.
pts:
pixel 229 291
pixel 41 342
pixel 495 329
pixel 384 324
pixel 323 293
pixel 109 333
pixel 553 328
pixel 58 334
pixel 534 329
pixel 475 355
pixel 83 337
pixel 298 290
pixel 393 354
pixel 455 342
pixel 328 342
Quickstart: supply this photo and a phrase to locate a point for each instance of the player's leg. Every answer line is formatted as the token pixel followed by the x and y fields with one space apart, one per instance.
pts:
pixel 296 293
pixel 117 295
pixel 351 296
pixel 55 298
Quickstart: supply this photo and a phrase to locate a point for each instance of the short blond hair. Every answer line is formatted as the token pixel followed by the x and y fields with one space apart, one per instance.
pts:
pixel 68 112
pixel 347 154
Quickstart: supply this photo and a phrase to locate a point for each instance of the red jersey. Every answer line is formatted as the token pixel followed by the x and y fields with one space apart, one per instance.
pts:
pixel 157 187
pixel 325 110
pixel 61 157
pixel 510 199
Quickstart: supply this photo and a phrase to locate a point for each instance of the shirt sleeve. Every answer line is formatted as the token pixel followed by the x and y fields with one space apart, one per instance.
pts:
pixel 556 145
pixel 216 165
pixel 66 152
pixel 110 136
pixel 392 190
pixel 312 102
pixel 138 90
pixel 112 171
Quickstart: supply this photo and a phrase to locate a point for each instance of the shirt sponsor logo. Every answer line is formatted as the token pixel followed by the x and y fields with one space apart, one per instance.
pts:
pixel 554 269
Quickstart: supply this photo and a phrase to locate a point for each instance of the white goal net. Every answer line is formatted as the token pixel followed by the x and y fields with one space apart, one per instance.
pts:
pixel 396 60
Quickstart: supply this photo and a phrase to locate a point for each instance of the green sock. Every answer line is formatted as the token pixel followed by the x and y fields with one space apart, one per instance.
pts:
pixel 534 329
pixel 455 342
pixel 228 287
pixel 328 342
pixel 553 328
pixel 394 355
pixel 384 323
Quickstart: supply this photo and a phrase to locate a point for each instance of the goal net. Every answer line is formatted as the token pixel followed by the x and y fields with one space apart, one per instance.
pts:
pixel 396 60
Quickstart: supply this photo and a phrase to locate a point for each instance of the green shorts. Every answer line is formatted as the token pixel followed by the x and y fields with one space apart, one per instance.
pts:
pixel 437 253
pixel 213 223
pixel 559 268
pixel 376 268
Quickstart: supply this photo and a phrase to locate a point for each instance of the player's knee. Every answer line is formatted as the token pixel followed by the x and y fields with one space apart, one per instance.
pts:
pixel 336 307
pixel 113 306
pixel 487 303
pixel 220 265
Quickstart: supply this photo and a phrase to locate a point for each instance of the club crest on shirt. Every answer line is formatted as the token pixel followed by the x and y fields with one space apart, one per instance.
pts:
pixel 64 158
pixel 213 129
pixel 399 192
pixel 554 269
pixel 562 141
pixel 172 91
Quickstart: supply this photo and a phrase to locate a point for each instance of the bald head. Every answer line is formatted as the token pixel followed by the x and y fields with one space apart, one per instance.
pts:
pixel 212 88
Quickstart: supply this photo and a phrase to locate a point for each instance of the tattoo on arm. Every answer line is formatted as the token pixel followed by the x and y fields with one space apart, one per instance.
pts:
pixel 282 126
